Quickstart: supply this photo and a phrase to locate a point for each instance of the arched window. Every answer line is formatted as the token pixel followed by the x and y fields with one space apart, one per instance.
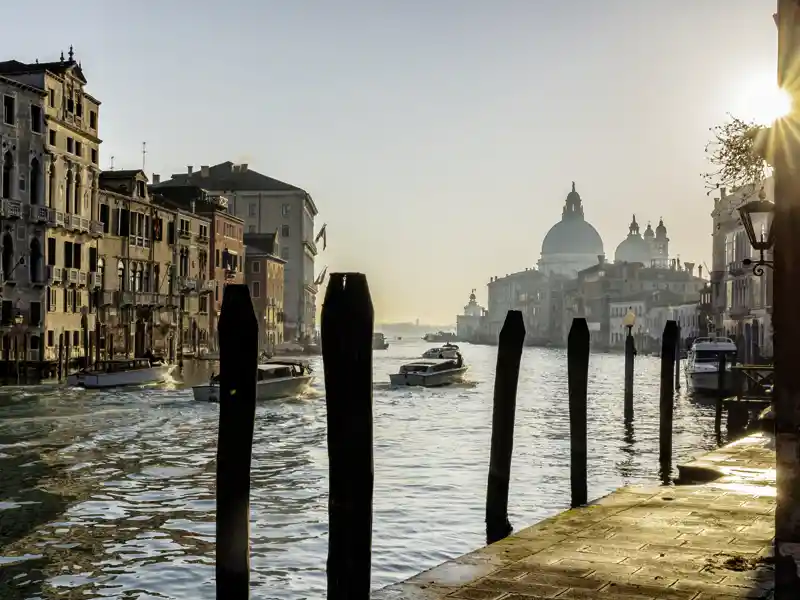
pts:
pixel 35 267
pixel 138 281
pixel 157 278
pixel 8 255
pixel 35 187
pixel 70 181
pixel 132 277
pixel 8 174
pixel 51 187
pixel 78 193
pixel 121 274
pixel 146 279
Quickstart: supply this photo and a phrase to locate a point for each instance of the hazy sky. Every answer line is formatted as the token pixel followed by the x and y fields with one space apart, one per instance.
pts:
pixel 438 137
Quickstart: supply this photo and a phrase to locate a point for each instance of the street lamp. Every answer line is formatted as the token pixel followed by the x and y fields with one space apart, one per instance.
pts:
pixel 629 320
pixel 764 209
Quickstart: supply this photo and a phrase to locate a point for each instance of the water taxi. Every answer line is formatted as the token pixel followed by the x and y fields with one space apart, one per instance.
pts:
pixel 446 351
pixel 275 378
pixel 702 364
pixel 430 372
pixel 121 372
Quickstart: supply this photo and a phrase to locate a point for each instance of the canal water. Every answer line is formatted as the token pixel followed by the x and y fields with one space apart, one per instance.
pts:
pixel 111 495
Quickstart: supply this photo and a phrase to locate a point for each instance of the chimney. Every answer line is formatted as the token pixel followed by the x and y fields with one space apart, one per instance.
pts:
pixel 243 167
pixel 700 271
pixel 156 178
pixel 723 192
pixel 601 259
pixel 204 171
pixel 190 168
pixel 689 268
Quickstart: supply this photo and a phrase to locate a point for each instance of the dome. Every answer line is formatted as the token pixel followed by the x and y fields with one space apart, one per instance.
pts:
pixel 572 234
pixel 633 249
pixel 661 231
pixel 648 233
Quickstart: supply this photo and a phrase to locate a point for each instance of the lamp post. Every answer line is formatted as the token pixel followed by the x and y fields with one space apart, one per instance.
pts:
pixel 629 320
pixel 763 210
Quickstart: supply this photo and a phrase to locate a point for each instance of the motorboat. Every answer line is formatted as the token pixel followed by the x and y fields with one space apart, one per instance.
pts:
pixel 379 342
pixel 702 364
pixel 447 351
pixel 275 378
pixel 430 372
pixel 122 372
pixel 440 336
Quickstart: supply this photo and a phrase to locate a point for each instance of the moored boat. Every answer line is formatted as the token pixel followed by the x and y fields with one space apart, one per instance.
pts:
pixel 275 378
pixel 446 351
pixel 379 342
pixel 121 372
pixel 440 336
pixel 702 364
pixel 430 372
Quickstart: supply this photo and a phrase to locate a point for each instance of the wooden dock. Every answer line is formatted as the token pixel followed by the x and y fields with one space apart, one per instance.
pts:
pixel 708 538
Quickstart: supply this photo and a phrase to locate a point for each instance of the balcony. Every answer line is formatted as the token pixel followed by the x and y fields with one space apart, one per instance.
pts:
pixel 108 298
pixel 146 299
pixel 60 218
pixel 185 234
pixel 737 268
pixel 81 278
pixel 38 214
pixel 312 247
pixel 187 284
pixel 94 280
pixel 739 312
pixel 96 229
pixel 12 209
pixel 209 285
pixel 54 274
pixel 230 274
pixel 71 276
pixel 122 298
pixel 84 224
pixel 202 238
pixel 72 222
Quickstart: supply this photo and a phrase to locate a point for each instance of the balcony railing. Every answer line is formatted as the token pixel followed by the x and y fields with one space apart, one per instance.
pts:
pixel 82 278
pixel 311 246
pixel 39 214
pixel 123 298
pixel 72 276
pixel 54 274
pixel 12 209
pixel 184 233
pixel 146 298
pixel 61 218
pixel 202 238
pixel 187 284
pixel 94 280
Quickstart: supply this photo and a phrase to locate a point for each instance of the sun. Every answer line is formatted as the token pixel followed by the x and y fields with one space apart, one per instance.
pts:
pixel 765 102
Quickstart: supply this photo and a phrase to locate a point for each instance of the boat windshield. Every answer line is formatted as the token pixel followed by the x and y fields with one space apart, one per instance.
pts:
pixel 713 356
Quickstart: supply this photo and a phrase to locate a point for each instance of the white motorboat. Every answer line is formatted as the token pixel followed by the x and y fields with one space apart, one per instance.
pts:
pixel 447 351
pixel 702 364
pixel 275 378
pixel 121 372
pixel 430 372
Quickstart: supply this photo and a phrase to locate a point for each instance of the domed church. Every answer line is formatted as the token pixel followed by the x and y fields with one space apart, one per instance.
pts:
pixel 652 249
pixel 572 244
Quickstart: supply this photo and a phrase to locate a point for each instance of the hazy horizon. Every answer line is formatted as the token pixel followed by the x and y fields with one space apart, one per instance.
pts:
pixel 439 140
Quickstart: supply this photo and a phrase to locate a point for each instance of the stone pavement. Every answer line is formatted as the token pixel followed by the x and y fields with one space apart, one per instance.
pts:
pixel 697 541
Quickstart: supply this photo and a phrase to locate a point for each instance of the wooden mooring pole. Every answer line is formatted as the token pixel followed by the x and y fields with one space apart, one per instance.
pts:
pixel 630 353
pixel 667 398
pixel 60 356
pixel 506 378
pixel 578 383
pixel 720 399
pixel 238 362
pixel 678 347
pixel 347 326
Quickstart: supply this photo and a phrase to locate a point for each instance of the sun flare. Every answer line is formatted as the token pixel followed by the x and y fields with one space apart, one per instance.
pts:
pixel 765 103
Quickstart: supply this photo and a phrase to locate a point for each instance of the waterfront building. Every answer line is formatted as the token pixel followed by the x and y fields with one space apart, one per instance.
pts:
pixel 226 251
pixel 50 180
pixel 264 275
pixel 741 301
pixel 572 244
pixel 264 203
pixel 527 291
pixel 469 323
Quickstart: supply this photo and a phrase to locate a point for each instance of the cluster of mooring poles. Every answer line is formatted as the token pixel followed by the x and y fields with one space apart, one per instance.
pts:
pixel 347 326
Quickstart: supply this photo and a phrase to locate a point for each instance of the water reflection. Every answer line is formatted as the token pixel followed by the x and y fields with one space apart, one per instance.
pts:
pixel 112 494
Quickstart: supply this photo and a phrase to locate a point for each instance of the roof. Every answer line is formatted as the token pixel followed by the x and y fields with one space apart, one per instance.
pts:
pixel 123 174
pixel 15 67
pixel 21 85
pixel 231 178
pixel 260 242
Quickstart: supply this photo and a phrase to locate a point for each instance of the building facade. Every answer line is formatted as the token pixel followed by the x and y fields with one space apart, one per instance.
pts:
pixel 469 323
pixel 264 275
pixel 741 301
pixel 50 218
pixel 264 204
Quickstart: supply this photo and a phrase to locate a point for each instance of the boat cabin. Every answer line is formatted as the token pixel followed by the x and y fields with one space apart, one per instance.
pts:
pixel 121 365
pixel 711 349
pixel 273 369
pixel 429 366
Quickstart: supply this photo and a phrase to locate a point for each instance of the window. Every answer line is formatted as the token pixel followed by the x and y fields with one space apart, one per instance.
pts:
pixel 51 338
pixel 52 97
pixel 92 119
pixel 105 217
pixel 9 110
pixel 52 136
pixel 256 289
pixel 68 256
pixel 204 304
pixel 216 263
pixel 252 209
pixel 94 156
pixel 285 231
pixel 70 145
pixel 285 210
pixel 285 253
pixel 78 149
pixel 79 107
pixel 36 118
pixel 255 267
pixel 76 338
pixel 51 251
pixel 36 313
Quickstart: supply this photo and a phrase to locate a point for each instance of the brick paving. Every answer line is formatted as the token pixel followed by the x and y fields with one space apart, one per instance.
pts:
pixel 703 541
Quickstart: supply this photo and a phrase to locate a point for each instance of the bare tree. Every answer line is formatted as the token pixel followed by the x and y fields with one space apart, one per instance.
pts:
pixel 736 153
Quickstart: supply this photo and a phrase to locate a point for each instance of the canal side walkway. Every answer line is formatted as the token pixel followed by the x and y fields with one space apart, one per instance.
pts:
pixel 708 538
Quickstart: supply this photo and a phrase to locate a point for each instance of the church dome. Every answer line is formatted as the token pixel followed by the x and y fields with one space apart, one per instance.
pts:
pixel 648 233
pixel 572 234
pixel 633 249
pixel 661 231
